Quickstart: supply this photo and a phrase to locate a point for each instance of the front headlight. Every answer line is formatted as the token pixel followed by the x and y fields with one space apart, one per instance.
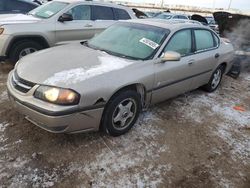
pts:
pixel 57 95
pixel 1 31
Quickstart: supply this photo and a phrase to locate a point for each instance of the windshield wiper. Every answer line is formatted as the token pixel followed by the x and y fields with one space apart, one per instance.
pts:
pixel 118 54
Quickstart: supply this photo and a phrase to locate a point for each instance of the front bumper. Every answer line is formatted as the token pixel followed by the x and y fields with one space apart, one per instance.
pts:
pixel 72 120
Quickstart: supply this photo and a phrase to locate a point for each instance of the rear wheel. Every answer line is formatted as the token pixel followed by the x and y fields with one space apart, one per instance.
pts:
pixel 121 113
pixel 215 80
pixel 23 48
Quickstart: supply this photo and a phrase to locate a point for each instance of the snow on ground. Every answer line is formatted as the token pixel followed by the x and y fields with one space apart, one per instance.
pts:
pixel 3 96
pixel 2 136
pixel 137 156
pixel 197 108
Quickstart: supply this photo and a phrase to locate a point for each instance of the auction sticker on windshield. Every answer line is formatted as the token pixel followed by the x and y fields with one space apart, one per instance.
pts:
pixel 149 43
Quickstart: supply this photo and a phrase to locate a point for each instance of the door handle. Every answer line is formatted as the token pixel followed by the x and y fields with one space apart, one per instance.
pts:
pixel 217 55
pixel 191 62
pixel 88 25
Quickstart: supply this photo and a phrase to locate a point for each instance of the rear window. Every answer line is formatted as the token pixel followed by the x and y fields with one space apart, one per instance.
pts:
pixel 102 13
pixel 121 14
pixel 204 40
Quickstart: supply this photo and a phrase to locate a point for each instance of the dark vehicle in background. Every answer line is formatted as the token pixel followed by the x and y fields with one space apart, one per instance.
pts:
pixel 241 60
pixel 212 24
pixel 236 28
pixel 207 21
pixel 17 6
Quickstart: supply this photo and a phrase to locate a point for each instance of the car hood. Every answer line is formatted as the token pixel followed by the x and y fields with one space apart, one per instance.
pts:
pixel 66 65
pixel 7 19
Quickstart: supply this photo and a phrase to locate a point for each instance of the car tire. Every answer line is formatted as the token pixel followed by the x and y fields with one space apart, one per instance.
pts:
pixel 215 79
pixel 121 113
pixel 23 48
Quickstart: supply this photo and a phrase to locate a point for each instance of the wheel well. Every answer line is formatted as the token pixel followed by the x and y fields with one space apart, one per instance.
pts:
pixel 139 88
pixel 40 40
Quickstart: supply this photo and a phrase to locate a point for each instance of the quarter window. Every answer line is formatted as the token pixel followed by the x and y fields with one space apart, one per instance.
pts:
pixel 121 14
pixel 102 13
pixel 181 42
pixel 80 12
pixel 204 40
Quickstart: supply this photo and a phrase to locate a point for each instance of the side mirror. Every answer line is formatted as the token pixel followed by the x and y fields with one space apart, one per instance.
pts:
pixel 65 18
pixel 170 56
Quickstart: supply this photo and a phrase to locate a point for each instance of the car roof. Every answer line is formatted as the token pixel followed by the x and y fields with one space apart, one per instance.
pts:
pixel 172 14
pixel 94 2
pixel 168 24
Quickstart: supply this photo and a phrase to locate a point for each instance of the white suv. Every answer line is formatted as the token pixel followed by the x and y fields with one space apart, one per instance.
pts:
pixel 56 22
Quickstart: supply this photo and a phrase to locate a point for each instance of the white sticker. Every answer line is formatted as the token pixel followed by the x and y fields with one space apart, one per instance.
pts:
pixel 149 43
pixel 49 13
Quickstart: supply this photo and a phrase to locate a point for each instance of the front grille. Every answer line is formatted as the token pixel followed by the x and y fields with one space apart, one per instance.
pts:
pixel 20 84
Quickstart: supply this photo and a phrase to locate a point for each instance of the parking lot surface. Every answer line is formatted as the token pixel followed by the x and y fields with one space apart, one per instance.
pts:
pixel 195 140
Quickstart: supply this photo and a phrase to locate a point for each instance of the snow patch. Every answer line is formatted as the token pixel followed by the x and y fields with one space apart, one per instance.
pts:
pixel 3 96
pixel 3 126
pixel 72 76
pixel 128 160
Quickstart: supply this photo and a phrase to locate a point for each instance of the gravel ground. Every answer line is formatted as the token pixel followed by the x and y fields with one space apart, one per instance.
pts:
pixel 194 140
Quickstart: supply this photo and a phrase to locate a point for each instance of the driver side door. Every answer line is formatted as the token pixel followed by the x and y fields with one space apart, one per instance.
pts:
pixel 174 77
pixel 80 28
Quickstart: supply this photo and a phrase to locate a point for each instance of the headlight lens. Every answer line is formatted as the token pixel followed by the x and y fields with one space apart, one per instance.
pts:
pixel 1 30
pixel 56 95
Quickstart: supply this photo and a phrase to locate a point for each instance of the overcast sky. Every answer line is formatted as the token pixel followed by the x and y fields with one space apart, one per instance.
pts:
pixel 238 4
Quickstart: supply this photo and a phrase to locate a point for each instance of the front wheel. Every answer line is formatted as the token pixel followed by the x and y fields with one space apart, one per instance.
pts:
pixel 215 80
pixel 22 49
pixel 121 113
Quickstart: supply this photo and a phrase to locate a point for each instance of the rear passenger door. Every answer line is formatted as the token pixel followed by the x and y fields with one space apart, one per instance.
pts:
pixel 80 28
pixel 103 17
pixel 206 56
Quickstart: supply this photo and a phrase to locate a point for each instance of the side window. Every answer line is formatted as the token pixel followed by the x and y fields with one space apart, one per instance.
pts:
pixel 181 42
pixel 175 17
pixel 121 14
pixel 80 12
pixel 102 13
pixel 203 39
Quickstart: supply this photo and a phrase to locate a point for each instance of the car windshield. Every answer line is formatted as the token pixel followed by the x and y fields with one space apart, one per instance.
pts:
pixel 130 40
pixel 164 16
pixel 48 10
